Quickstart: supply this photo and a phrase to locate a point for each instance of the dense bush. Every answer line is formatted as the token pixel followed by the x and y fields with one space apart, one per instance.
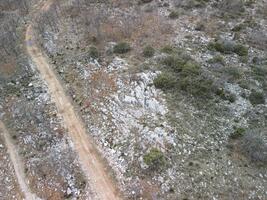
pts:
pixel 155 159
pixel 240 50
pixel 165 81
pixel 256 98
pixel 228 47
pixel 168 49
pixel 174 14
pixel 148 51
pixel 233 72
pixel 176 63
pixel 188 76
pixel 121 48
pixel 145 1
pixel 190 68
pixel 93 52
pixel 259 73
pixel 199 86
pixel 225 95
pixel 238 132
pixel 254 146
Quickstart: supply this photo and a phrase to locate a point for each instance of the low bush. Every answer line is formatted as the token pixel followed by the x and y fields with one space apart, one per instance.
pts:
pixel 231 97
pixel 145 1
pixel 238 132
pixel 122 48
pixel 241 50
pixel 165 81
pixel 199 86
pixel 148 51
pixel 256 98
pixel 233 72
pixel 155 159
pixel 176 63
pixel 93 52
pixel 217 59
pixel 190 68
pixel 225 95
pixel 228 47
pixel 168 49
pixel 174 14
pixel 259 72
pixel 254 146
pixel 238 27
pixel 188 76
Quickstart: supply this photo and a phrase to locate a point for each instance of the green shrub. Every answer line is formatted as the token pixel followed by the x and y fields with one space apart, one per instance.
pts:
pixel 228 47
pixel 239 27
pixel 225 95
pixel 145 1
pixel 218 46
pixel 148 51
pixel 259 73
pixel 197 86
pixel 93 52
pixel 164 81
pixel 256 98
pixel 189 76
pixel 176 63
pixel 233 72
pixel 231 98
pixel 155 159
pixel 168 49
pixel 239 132
pixel 244 84
pixel 190 68
pixel 174 14
pixel 121 48
pixel 241 50
pixel 217 59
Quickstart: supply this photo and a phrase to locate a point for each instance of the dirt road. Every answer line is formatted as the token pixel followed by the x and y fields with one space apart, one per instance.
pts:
pixel 98 177
pixel 17 164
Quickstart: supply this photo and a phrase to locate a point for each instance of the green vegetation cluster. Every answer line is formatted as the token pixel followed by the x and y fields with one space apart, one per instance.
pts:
pixel 155 159
pixel 228 47
pixel 182 73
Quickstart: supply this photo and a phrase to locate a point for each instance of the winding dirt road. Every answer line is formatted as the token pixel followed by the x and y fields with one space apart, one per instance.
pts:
pixel 17 164
pixel 90 160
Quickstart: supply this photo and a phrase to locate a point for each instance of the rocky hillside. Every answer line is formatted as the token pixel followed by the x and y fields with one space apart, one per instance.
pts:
pixel 174 93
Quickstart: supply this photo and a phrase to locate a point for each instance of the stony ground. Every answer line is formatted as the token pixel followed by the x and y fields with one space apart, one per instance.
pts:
pixel 199 141
pixel 128 116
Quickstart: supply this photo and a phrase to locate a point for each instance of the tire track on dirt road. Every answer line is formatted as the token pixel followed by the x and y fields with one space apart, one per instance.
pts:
pixel 91 162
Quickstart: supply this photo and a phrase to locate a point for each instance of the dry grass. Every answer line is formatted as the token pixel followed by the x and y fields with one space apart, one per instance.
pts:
pixel 102 84
pixel 8 69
